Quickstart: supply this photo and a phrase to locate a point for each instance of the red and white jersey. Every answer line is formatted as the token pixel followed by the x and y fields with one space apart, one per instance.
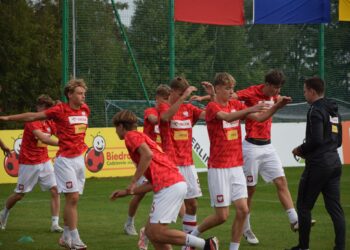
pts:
pixel 150 129
pixel 71 126
pixel 225 137
pixel 33 151
pixel 252 96
pixel 161 172
pixel 165 134
pixel 181 132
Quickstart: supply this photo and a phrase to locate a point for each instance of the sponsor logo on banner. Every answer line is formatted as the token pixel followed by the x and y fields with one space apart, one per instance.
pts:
pixel 181 124
pixel 78 120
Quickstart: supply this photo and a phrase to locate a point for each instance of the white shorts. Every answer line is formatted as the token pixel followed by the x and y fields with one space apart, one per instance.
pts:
pixel 263 160
pixel 226 185
pixel 192 181
pixel 30 175
pixel 70 174
pixel 167 203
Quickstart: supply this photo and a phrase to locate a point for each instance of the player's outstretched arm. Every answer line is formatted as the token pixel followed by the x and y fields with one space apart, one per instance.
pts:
pixel 144 188
pixel 45 138
pixel 263 116
pixel 209 89
pixel 166 116
pixel 241 114
pixel 24 117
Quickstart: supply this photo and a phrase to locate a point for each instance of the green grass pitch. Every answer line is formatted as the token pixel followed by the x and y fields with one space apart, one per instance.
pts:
pixel 101 221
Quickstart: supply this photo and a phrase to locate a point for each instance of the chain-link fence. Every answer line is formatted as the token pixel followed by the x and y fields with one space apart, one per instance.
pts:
pixel 247 52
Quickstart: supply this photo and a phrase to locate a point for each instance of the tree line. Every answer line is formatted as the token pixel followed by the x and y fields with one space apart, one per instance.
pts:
pixel 30 52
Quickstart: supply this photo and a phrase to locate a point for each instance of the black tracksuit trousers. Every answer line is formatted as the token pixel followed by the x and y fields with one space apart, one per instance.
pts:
pixel 316 180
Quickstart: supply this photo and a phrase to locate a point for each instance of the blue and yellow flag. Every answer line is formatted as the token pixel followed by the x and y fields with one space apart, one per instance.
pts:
pixel 344 10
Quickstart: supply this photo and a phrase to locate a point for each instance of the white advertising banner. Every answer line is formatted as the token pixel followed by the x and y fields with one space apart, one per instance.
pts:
pixel 285 137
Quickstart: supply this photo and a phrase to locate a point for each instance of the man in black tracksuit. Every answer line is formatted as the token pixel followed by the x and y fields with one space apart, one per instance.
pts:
pixel 322 164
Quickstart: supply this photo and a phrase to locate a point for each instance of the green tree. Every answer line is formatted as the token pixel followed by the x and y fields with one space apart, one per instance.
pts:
pixel 29 53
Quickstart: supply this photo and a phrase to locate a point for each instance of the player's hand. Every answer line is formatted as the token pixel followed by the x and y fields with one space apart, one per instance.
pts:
pixel 196 98
pixel 297 152
pixel 209 88
pixel 283 101
pixel 188 91
pixel 131 187
pixel 6 150
pixel 117 194
pixel 260 107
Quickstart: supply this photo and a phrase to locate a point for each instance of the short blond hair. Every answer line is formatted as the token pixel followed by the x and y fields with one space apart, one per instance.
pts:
pixel 72 85
pixel 223 78
pixel 127 118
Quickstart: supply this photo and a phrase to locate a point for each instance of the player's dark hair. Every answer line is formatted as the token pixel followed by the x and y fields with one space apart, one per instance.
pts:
pixel 127 118
pixel 223 78
pixel 179 83
pixel 316 84
pixel 163 91
pixel 45 100
pixel 275 77
pixel 72 84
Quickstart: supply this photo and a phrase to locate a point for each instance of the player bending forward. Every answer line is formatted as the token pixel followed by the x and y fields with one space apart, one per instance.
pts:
pixel 166 182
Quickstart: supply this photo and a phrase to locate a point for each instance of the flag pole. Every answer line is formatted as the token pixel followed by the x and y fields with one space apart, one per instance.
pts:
pixel 321 51
pixel 171 40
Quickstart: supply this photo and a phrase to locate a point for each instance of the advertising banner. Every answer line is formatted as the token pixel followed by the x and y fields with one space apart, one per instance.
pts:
pixel 106 156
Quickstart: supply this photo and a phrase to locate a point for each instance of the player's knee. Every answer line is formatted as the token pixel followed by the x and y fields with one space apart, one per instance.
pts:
pixel 72 199
pixel 54 192
pixel 281 183
pixel 242 211
pixel 221 218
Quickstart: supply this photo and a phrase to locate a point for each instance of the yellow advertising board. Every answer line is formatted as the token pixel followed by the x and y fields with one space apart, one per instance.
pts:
pixel 107 156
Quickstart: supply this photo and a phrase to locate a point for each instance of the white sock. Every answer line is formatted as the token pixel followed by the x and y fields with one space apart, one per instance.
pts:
pixel 130 220
pixel 292 215
pixel 54 220
pixel 246 225
pixel 189 222
pixel 66 232
pixel 195 232
pixel 74 234
pixel 234 246
pixel 6 212
pixel 194 241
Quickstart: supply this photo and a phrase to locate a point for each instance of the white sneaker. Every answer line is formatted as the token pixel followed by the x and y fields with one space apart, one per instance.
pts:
pixel 56 229
pixel 3 220
pixel 129 229
pixel 143 240
pixel 64 242
pixel 78 245
pixel 250 237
